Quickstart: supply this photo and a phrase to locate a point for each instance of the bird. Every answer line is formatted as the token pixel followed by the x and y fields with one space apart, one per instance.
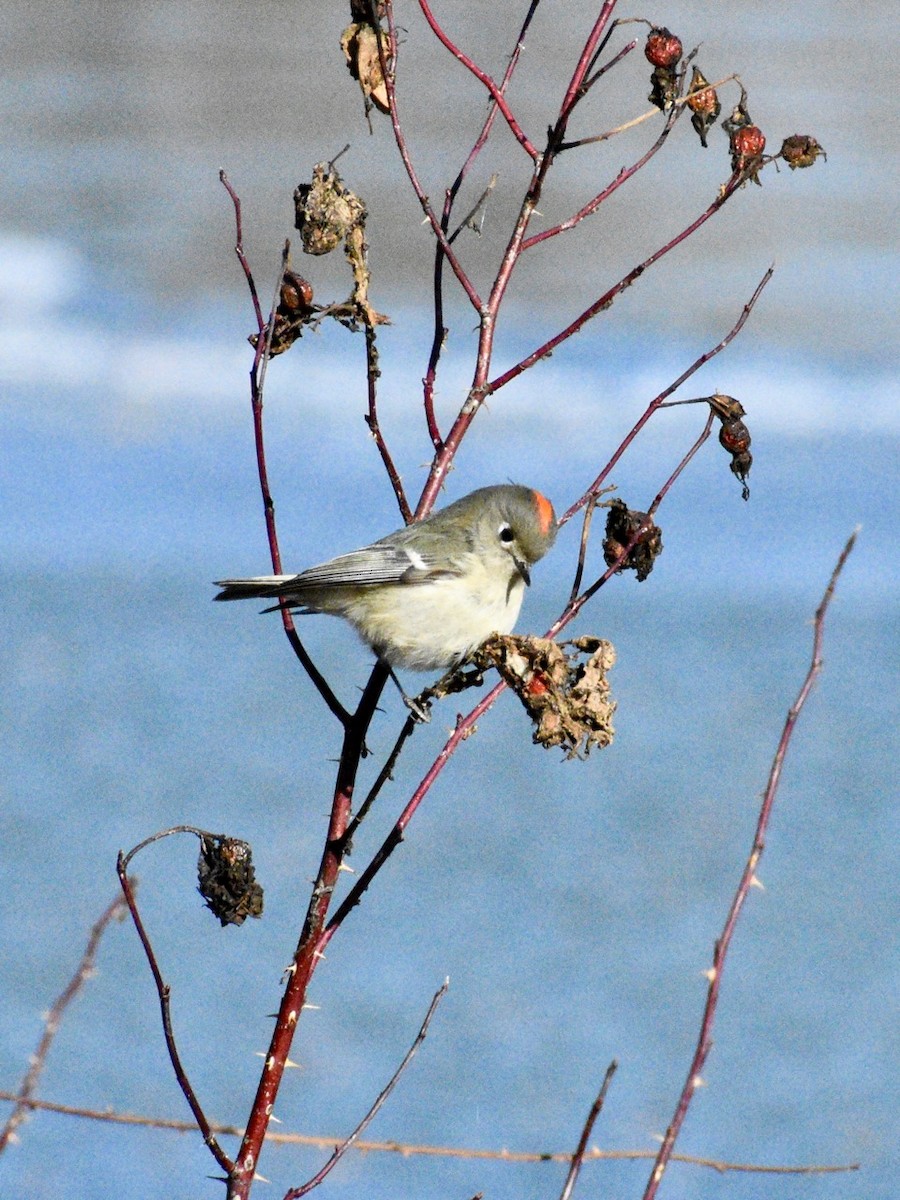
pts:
pixel 425 597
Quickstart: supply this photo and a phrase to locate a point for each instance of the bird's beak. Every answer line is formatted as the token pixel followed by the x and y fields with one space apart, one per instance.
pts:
pixel 522 568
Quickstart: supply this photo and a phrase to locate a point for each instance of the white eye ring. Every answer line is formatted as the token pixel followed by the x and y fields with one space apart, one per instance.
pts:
pixel 506 534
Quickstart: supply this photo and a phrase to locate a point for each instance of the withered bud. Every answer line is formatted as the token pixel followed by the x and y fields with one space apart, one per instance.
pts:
pixel 663 87
pixel 326 211
pixel 801 150
pixel 622 523
pixel 662 48
pixel 726 408
pixel 738 119
pixel 704 103
pixel 227 880
pixel 296 294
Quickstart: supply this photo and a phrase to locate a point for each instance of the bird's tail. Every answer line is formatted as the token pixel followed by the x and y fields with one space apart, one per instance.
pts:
pixel 261 587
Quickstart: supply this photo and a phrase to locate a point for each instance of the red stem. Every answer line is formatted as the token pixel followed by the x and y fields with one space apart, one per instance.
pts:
pixel 573 91
pixel 403 151
pixel 728 189
pixel 496 92
pixel 440 331
pixel 308 952
pixel 657 403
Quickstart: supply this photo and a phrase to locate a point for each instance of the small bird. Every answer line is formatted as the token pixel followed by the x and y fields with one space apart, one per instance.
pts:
pixel 424 598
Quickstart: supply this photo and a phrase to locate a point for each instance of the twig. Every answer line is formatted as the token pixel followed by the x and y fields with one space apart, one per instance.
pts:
pixel 725 192
pixel 677 103
pixel 440 331
pixel 372 375
pixel 257 379
pixel 588 56
pixel 340 1151
pixel 496 93
pixel 664 490
pixel 52 1022
pixel 581 1149
pixel 591 207
pixel 239 250
pixel 582 548
pixel 658 401
pixel 408 1150
pixel 405 157
pixel 464 728
pixel 162 991
pixel 409 727
pixel 720 951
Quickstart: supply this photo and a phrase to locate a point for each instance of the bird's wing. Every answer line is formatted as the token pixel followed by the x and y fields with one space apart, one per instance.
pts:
pixel 374 564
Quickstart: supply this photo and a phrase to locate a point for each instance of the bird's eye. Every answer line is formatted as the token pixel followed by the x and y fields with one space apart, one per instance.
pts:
pixel 506 534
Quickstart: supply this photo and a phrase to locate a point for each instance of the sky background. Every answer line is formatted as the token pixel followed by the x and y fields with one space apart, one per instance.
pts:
pixel 573 905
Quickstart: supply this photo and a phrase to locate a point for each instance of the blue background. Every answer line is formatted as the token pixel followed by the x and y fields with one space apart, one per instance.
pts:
pixel 572 904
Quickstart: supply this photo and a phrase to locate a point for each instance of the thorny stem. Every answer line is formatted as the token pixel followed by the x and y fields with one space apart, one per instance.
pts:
pixel 309 948
pixel 340 1151
pixel 22 1099
pixel 748 878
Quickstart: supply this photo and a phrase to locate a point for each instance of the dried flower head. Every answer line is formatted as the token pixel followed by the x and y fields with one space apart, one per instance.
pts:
pixel 227 880
pixel 801 150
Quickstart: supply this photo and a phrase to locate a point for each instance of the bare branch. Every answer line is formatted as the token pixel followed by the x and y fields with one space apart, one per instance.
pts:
pixel 725 192
pixel 409 1150
pixel 340 1151
pixel 309 950
pixel 52 1021
pixel 704 1040
pixel 162 991
pixel 496 93
pixel 664 395
pixel 581 1150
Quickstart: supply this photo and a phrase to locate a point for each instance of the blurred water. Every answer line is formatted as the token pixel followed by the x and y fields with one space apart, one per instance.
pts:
pixel 572 904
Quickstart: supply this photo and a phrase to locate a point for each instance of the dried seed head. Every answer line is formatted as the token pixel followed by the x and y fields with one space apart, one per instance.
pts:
pixel 326 211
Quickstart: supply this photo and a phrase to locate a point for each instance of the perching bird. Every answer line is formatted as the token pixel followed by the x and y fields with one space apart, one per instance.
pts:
pixel 427 596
